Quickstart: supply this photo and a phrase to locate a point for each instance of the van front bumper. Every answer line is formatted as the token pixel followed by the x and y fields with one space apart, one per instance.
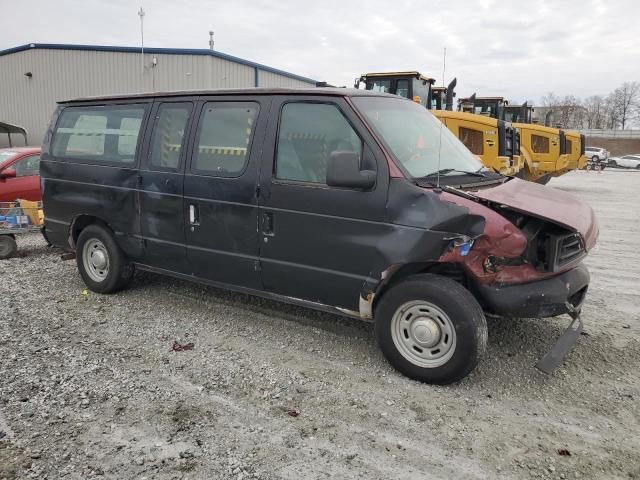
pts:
pixel 544 298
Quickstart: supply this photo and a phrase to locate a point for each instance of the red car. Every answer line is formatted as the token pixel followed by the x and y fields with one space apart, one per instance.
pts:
pixel 20 174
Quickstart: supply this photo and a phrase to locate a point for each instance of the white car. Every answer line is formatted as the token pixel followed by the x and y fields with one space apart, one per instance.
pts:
pixel 596 154
pixel 627 161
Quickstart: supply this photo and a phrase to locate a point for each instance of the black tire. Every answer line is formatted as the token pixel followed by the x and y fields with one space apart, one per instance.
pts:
pixel 613 163
pixel 595 159
pixel 463 312
pixel 8 247
pixel 118 271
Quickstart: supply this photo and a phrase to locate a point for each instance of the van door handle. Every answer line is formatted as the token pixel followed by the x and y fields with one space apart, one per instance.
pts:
pixel 194 216
pixel 267 224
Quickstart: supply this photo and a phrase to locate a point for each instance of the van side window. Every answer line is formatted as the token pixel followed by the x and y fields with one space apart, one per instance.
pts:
pixel 101 133
pixel 539 144
pixel 224 137
pixel 168 134
pixel 472 139
pixel 308 134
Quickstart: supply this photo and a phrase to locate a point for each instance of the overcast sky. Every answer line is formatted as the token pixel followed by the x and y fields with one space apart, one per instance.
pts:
pixel 520 50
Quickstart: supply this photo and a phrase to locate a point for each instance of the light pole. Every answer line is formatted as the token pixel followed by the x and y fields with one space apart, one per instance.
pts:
pixel 141 15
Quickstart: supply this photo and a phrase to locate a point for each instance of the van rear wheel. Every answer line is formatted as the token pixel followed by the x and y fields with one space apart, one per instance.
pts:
pixel 101 263
pixel 431 329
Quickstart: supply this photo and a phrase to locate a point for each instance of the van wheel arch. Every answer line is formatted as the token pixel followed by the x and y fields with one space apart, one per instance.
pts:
pixel 81 222
pixel 454 271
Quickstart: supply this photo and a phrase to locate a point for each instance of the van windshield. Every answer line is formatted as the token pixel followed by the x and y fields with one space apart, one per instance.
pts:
pixel 419 141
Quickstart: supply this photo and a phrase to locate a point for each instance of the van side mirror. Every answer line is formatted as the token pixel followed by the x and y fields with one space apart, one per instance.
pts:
pixel 343 171
pixel 8 173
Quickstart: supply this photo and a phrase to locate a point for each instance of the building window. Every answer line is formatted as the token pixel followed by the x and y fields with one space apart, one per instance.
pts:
pixel 168 135
pixel 104 134
pixel 224 138
pixel 539 144
pixel 472 139
pixel 309 133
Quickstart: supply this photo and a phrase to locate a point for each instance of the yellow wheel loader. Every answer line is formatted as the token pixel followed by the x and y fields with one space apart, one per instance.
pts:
pixel 547 152
pixel 575 149
pixel 494 141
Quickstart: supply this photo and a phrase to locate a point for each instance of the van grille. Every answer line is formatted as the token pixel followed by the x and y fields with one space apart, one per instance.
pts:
pixel 563 250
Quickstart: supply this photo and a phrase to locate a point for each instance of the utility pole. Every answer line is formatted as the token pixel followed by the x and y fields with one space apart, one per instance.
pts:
pixel 211 40
pixel 141 15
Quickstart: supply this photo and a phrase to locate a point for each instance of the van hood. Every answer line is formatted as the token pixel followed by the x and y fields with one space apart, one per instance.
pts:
pixel 546 203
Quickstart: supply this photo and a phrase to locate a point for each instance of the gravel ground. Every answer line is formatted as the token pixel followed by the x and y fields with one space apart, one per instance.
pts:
pixel 90 386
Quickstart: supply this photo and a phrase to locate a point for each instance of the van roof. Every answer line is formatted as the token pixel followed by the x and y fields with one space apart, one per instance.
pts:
pixel 320 91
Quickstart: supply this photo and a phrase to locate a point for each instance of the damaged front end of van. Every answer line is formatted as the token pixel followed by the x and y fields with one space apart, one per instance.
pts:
pixel 510 245
pixel 517 246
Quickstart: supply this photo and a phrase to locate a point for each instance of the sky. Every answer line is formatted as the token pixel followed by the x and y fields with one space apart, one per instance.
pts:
pixel 519 50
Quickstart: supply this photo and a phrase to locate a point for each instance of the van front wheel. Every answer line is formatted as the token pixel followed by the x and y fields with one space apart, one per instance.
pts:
pixel 101 263
pixel 431 329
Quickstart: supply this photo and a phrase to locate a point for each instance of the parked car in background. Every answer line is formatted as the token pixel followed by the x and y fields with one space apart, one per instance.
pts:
pixel 626 161
pixel 20 174
pixel 596 154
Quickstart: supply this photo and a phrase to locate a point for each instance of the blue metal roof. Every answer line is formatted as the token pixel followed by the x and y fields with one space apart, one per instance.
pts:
pixel 165 51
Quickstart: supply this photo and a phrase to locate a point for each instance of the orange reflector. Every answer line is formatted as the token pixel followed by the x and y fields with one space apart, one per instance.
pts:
pixel 417 98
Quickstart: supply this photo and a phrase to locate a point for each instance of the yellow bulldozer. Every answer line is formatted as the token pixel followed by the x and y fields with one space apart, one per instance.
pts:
pixel 493 140
pixel 546 151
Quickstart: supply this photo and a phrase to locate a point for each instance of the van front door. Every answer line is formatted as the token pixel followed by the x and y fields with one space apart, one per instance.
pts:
pixel 318 243
pixel 220 203
pixel 161 187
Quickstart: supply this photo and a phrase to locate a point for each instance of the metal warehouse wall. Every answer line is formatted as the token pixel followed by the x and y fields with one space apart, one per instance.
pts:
pixel 65 74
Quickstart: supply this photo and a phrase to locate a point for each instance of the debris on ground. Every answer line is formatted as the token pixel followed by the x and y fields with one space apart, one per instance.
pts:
pixel 181 347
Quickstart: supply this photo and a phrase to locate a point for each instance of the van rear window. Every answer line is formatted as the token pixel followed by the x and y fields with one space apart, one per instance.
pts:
pixel 102 133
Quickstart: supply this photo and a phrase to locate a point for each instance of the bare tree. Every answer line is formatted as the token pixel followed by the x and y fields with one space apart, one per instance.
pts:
pixel 619 109
pixel 626 98
pixel 611 111
pixel 594 107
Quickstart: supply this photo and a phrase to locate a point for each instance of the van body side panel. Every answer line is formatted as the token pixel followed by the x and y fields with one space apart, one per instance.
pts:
pixel 75 188
pixel 106 193
pixel 319 243
pixel 223 244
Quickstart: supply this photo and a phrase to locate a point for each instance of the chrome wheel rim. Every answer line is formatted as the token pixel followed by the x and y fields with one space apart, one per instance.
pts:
pixel 95 258
pixel 423 333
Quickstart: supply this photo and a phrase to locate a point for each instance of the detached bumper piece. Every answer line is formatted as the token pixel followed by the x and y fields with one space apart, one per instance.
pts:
pixel 546 298
pixel 553 358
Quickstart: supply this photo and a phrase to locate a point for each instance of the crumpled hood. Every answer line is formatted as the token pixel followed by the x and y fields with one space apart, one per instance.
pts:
pixel 546 203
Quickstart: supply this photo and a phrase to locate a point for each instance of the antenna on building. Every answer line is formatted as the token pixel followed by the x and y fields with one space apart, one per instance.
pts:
pixel 211 40
pixel 141 15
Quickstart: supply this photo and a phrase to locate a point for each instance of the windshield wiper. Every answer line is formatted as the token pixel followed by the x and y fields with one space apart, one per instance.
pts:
pixel 444 171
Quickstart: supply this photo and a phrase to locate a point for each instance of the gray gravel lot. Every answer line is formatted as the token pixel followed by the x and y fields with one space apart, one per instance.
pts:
pixel 90 387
